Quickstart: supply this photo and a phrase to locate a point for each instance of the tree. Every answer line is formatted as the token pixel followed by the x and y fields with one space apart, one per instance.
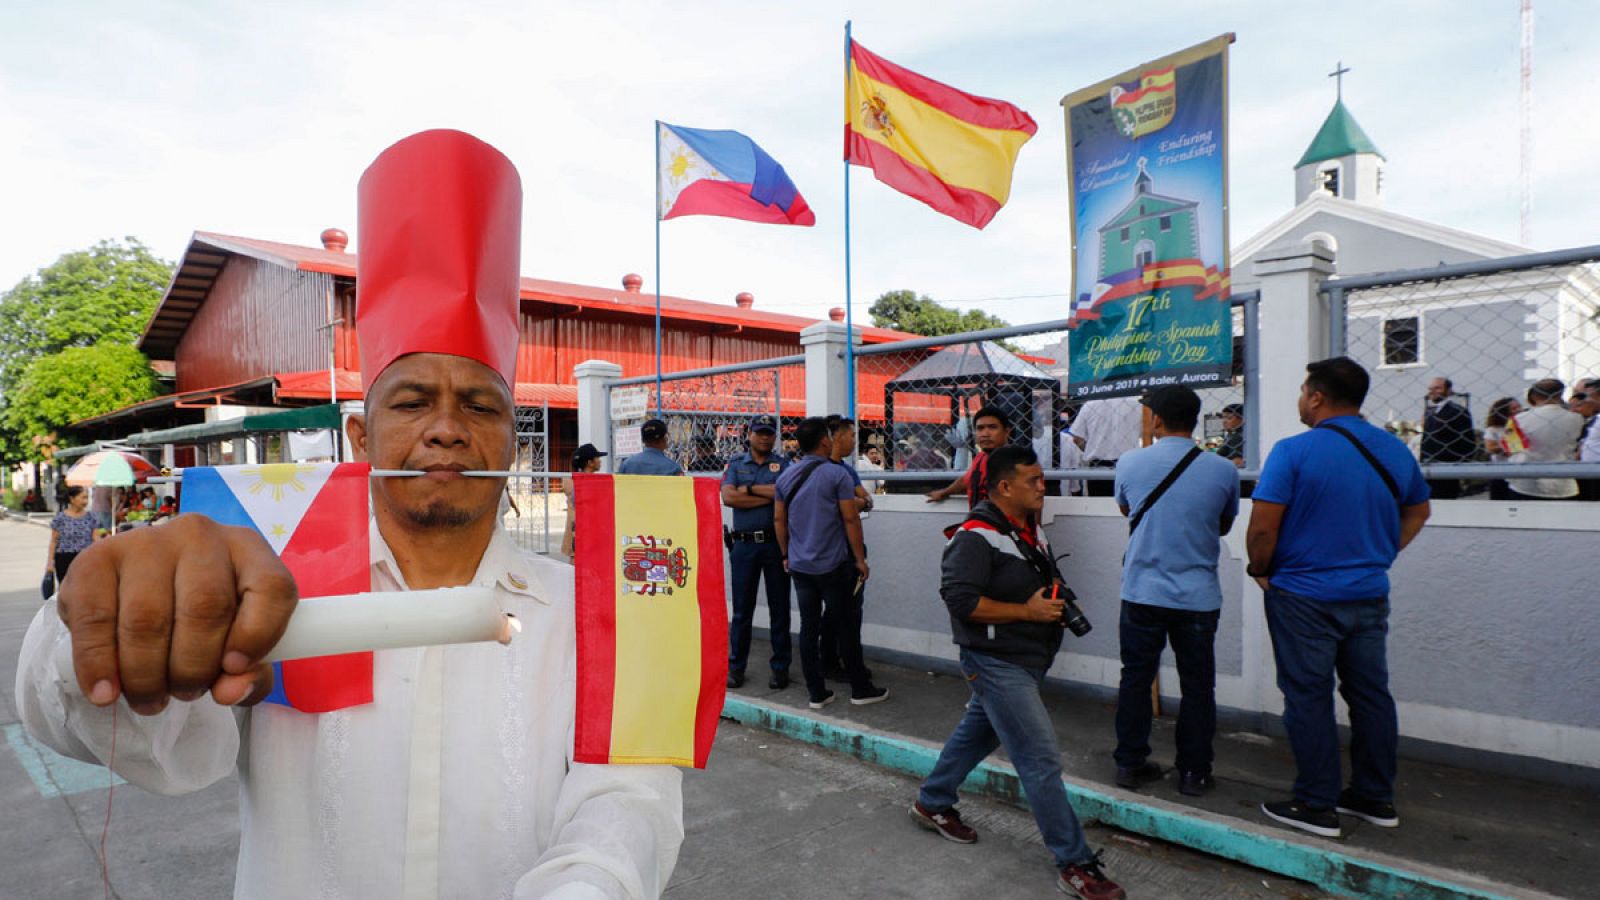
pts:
pixel 77 383
pixel 104 294
pixel 906 311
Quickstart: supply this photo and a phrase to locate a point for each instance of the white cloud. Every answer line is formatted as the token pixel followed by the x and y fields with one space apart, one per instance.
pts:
pixel 258 119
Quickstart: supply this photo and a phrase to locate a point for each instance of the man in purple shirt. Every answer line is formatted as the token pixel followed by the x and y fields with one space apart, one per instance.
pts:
pixel 818 521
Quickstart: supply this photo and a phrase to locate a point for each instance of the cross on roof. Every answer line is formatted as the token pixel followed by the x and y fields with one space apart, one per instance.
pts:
pixel 1338 73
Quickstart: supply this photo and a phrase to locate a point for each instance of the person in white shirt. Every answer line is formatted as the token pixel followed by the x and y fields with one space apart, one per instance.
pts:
pixel 1548 433
pixel 871 461
pixel 1586 403
pixel 1104 430
pixel 458 779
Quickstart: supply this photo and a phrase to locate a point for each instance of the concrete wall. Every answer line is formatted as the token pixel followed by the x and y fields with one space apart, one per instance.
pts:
pixel 1492 627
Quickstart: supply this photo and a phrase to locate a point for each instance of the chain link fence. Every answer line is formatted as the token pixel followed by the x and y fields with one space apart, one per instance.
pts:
pixel 1453 353
pixel 708 412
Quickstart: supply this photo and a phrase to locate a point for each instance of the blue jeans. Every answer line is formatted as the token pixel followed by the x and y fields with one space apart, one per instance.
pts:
pixel 1144 631
pixel 831 597
pixel 1311 641
pixel 752 563
pixel 1006 710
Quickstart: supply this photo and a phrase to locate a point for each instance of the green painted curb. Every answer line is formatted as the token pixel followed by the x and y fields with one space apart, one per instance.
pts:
pixel 1328 869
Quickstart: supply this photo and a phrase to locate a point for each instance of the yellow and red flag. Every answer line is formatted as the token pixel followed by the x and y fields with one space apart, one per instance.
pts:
pixel 652 619
pixel 952 150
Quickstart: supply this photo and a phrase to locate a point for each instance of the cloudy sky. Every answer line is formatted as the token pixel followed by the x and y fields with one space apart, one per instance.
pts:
pixel 156 119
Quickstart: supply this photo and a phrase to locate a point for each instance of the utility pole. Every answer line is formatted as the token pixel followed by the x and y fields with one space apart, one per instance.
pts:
pixel 1527 124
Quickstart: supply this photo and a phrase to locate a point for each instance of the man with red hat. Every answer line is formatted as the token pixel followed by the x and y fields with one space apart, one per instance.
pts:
pixel 457 778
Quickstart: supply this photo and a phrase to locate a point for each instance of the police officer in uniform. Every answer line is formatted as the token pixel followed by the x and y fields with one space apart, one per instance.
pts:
pixel 747 488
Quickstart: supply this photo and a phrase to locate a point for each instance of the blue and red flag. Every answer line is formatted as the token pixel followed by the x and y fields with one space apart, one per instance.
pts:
pixel 315 518
pixel 723 173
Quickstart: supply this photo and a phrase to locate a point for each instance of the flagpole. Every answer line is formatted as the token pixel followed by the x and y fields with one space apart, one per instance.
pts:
pixel 657 216
pixel 849 318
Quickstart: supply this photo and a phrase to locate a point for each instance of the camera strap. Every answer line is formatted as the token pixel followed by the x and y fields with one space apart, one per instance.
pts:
pixel 1167 482
pixel 1036 558
pixel 1388 480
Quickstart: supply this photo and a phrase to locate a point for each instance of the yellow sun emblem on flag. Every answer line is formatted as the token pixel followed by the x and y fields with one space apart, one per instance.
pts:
pixel 277 477
pixel 679 167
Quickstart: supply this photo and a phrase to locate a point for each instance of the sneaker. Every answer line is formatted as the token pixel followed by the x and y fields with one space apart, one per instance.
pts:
pixel 1089 881
pixel 778 681
pixel 1194 784
pixel 1379 814
pixel 1293 813
pixel 947 823
pixel 1131 777
pixel 735 679
pixel 873 695
pixel 820 702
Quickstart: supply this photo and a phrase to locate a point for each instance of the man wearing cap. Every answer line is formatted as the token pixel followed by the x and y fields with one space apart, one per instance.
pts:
pixel 748 486
pixel 653 459
pixel 451 772
pixel 1232 446
pixel 1180 501
pixel 585 459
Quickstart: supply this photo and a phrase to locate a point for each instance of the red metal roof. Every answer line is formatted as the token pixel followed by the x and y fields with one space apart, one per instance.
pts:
pixel 314 386
pixel 559 293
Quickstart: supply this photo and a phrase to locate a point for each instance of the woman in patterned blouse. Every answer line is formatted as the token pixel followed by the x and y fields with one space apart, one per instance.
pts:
pixel 71 532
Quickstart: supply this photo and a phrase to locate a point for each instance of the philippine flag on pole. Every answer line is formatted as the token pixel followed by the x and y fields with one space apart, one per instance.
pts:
pixel 723 173
pixel 315 518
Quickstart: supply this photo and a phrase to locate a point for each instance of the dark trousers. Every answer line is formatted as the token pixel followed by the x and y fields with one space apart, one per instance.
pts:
pixel 1101 487
pixel 63 562
pixel 830 597
pixel 1144 631
pixel 1444 488
pixel 753 563
pixel 1312 640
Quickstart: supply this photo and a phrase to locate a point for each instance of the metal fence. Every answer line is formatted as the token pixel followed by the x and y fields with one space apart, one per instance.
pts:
pixel 1491 329
pixel 916 398
pixel 535 510
pixel 707 411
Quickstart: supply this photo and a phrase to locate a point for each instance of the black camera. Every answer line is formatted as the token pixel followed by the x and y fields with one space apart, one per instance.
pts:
pixel 1072 618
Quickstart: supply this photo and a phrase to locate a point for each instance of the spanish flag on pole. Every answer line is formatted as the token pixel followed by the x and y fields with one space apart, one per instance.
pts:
pixel 949 149
pixel 652 619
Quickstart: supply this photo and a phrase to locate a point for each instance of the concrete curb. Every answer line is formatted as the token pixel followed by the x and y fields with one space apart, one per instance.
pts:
pixel 1353 874
pixel 26 520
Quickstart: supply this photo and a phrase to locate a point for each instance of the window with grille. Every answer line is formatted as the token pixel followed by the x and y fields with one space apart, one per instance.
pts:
pixel 1402 341
pixel 1329 180
pixel 1166 223
pixel 1124 235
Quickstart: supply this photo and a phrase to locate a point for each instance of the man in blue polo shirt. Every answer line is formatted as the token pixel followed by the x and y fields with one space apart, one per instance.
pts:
pixel 748 487
pixel 653 459
pixel 1170 591
pixel 1332 510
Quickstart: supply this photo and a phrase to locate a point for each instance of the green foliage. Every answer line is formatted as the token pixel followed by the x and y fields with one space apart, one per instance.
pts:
pixel 74 384
pixel 102 295
pixel 906 311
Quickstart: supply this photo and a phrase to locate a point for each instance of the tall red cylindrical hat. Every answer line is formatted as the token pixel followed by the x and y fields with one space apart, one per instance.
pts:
pixel 439 239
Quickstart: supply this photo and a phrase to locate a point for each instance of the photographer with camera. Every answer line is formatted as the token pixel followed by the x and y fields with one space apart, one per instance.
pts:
pixel 1008 612
pixel 1180 501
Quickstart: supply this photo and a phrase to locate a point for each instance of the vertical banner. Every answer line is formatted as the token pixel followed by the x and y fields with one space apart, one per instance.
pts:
pixel 652 619
pixel 1147 164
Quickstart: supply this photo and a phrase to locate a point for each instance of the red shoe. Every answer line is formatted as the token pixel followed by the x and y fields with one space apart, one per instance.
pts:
pixel 1088 881
pixel 947 823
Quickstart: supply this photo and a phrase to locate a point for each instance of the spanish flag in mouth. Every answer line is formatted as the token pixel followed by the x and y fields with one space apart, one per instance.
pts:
pixel 952 150
pixel 652 619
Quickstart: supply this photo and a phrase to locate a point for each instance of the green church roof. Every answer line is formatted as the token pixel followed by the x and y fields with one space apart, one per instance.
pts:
pixel 1338 136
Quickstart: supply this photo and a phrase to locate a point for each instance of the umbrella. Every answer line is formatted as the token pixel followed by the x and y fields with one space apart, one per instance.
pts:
pixel 112 468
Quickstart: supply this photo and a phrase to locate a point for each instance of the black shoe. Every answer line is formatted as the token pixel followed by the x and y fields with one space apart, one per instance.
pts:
pixel 778 681
pixel 870 696
pixel 1131 777
pixel 820 702
pixel 1293 813
pixel 1371 811
pixel 1194 784
pixel 735 679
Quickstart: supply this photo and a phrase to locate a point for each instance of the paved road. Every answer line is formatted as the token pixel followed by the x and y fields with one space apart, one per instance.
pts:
pixel 771 818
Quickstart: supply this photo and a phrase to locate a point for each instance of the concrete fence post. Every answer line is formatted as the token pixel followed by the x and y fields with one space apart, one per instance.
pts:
pixel 594 404
pixel 827 381
pixel 1294 331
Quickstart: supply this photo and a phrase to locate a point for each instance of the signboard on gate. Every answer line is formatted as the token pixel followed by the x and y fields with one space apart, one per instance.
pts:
pixel 1147 165
pixel 626 441
pixel 629 403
